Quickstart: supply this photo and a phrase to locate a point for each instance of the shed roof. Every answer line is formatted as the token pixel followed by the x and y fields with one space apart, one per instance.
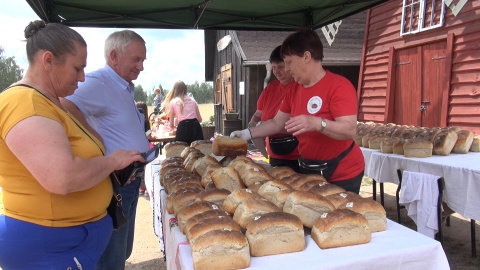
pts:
pixel 346 48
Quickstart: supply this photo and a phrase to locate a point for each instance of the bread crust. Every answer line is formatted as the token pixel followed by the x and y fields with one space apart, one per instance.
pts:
pixel 307 206
pixel 221 249
pixel 340 228
pixel 275 233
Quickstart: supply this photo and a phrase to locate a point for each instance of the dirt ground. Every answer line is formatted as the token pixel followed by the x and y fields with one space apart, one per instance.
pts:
pixel 146 252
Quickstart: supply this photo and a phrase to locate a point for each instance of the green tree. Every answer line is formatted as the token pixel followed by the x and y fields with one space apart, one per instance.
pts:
pixel 10 72
pixel 140 94
pixel 201 92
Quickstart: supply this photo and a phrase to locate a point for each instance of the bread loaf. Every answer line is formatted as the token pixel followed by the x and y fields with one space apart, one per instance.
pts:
pixel 181 196
pixel 444 142
pixel 341 228
pixel 279 172
pixel 226 146
pixel 475 144
pixel 326 189
pixel 237 197
pixel 200 165
pixel 220 249
pixel 186 151
pixel 192 221
pixel 342 198
pixel 191 158
pixel 174 149
pixel 214 223
pixel 280 197
pixel 217 196
pixel 464 141
pixel 171 160
pixel 386 146
pixel 418 148
pixel 398 147
pixel 227 178
pixel 275 233
pixel 205 146
pixel 255 174
pixel 307 206
pixel 189 210
pixel 250 208
pixel 371 210
pixel 270 188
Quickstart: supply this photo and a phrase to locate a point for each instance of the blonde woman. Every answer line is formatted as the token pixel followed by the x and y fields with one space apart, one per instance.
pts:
pixel 179 105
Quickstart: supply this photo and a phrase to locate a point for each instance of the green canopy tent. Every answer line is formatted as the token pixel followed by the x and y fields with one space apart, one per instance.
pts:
pixel 265 15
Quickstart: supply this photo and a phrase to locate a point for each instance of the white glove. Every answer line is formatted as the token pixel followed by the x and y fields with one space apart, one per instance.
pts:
pixel 242 134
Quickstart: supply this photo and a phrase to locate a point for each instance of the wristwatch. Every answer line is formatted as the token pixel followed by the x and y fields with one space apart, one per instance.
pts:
pixel 324 124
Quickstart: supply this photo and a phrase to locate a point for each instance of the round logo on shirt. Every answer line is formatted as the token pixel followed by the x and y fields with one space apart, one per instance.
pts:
pixel 314 104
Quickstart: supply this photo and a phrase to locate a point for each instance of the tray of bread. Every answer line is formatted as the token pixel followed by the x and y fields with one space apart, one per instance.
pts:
pixel 413 141
pixel 232 209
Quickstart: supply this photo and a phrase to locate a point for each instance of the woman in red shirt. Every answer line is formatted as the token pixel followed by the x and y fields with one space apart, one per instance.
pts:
pixel 281 148
pixel 321 111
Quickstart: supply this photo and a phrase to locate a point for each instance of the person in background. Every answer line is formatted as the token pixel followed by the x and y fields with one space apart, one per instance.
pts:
pixel 184 108
pixel 158 100
pixel 53 171
pixel 142 108
pixel 281 148
pixel 106 99
pixel 321 111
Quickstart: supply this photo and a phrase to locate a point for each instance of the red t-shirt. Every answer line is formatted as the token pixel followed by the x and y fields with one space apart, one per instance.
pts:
pixel 269 102
pixel 333 96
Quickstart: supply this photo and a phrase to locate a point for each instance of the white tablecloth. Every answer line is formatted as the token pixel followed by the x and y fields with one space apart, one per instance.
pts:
pixel 461 173
pixel 152 183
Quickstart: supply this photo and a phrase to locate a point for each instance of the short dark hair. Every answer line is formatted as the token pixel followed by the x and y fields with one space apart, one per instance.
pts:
pixel 276 55
pixel 56 38
pixel 301 41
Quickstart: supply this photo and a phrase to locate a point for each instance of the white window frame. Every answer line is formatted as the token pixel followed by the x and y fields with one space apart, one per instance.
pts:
pixel 424 24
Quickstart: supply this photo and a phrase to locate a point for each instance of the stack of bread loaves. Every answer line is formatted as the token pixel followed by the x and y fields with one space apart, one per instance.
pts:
pixel 233 210
pixel 413 141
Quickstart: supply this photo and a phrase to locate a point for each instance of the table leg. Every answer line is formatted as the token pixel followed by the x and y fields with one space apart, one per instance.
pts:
pixel 374 191
pixel 382 194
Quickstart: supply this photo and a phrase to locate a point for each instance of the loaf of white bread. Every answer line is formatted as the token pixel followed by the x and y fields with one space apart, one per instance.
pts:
pixel 464 141
pixel 205 146
pixel 250 208
pixel 307 206
pixel 226 146
pixel 372 210
pixel 390 138
pixel 275 233
pixel 220 249
pixel 475 144
pixel 418 148
pixel 174 149
pixel 339 228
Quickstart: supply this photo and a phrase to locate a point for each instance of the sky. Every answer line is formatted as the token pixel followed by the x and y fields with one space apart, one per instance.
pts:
pixel 171 54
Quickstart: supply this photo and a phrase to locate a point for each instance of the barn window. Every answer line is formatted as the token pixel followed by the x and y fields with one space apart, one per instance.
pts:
pixel 421 15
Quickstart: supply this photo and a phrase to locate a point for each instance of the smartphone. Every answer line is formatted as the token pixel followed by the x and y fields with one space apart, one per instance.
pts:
pixel 136 168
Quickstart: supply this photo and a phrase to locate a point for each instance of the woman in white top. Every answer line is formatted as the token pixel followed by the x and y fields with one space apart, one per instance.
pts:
pixel 179 105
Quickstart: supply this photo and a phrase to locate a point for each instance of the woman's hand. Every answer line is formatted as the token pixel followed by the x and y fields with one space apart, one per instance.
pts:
pixel 303 123
pixel 123 158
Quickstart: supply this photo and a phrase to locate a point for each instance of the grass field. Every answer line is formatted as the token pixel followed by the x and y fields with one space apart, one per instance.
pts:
pixel 206 110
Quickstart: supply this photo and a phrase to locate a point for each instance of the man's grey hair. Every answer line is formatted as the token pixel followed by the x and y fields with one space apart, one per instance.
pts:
pixel 119 41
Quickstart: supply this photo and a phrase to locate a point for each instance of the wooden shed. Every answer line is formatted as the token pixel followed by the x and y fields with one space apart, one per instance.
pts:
pixel 421 64
pixel 236 62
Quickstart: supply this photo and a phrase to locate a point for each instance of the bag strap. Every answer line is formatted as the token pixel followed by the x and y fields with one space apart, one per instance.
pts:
pixel 344 153
pixel 117 196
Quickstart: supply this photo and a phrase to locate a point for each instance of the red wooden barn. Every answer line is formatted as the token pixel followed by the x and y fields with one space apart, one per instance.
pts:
pixel 421 64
